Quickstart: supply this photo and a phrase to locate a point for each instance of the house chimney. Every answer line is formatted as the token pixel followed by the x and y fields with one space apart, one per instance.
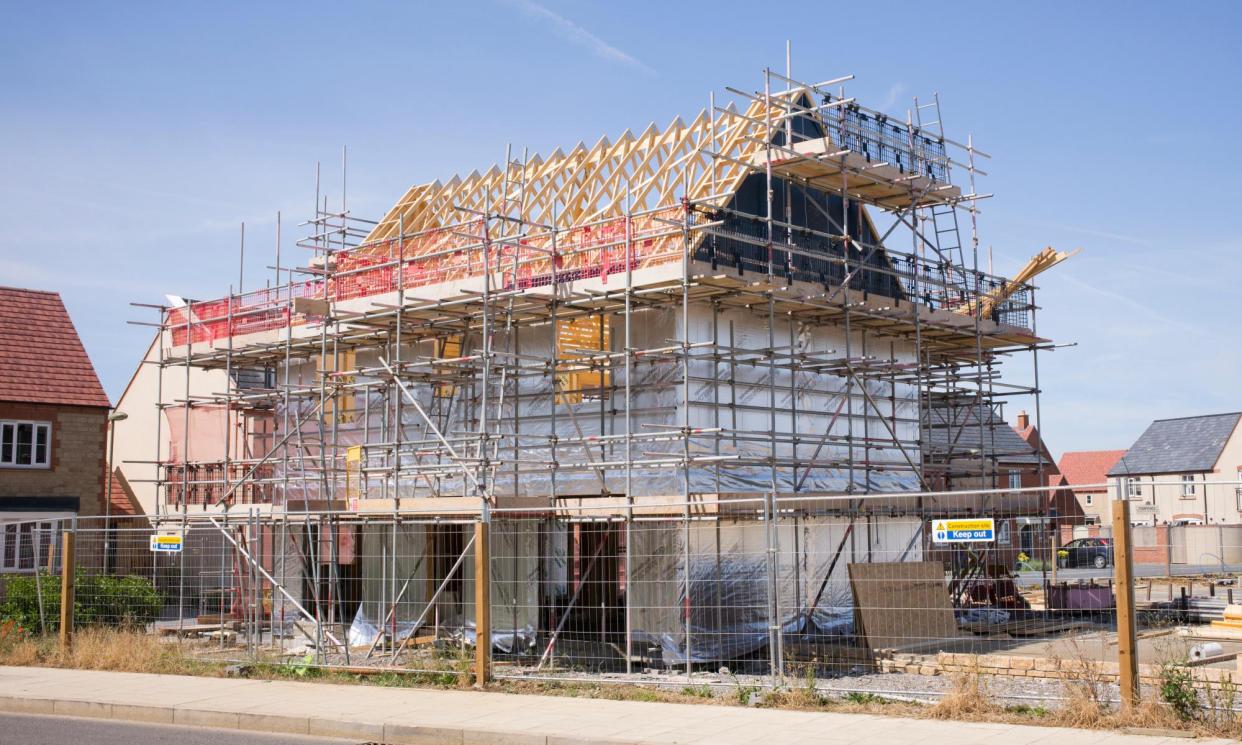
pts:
pixel 1024 421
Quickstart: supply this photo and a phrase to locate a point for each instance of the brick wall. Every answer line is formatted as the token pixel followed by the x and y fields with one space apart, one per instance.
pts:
pixel 1155 551
pixel 79 436
pixel 1021 666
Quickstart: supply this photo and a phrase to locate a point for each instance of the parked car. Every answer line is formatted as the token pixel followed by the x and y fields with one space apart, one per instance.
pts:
pixel 1086 552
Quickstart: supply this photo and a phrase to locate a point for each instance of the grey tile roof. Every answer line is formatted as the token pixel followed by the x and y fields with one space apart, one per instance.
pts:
pixel 1185 445
pixel 959 428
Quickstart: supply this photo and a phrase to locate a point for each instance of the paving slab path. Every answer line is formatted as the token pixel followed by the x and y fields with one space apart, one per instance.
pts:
pixel 413 716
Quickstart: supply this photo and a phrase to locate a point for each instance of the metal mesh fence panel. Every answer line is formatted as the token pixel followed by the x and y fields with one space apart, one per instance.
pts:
pixel 751 595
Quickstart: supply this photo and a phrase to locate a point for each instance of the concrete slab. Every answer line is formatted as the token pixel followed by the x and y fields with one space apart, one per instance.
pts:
pixel 351 729
pixel 87 709
pixel 486 737
pixel 21 705
pixel 141 713
pixel 273 723
pixel 202 718
pixel 406 734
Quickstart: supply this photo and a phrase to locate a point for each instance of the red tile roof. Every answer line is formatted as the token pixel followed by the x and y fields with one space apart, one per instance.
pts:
pixel 123 501
pixel 41 357
pixel 1089 466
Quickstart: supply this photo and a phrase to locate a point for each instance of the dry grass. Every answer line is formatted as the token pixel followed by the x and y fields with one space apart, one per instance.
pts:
pixel 968 699
pixel 1085 690
pixel 105 649
pixel 1085 704
pixel 21 653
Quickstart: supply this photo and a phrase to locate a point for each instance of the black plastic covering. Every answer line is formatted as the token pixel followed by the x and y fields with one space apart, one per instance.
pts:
pixel 810 209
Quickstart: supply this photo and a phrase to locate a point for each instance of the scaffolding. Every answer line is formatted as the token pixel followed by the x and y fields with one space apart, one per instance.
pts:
pixel 716 318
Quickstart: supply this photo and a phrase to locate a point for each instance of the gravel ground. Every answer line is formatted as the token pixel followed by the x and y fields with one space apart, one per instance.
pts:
pixel 898 686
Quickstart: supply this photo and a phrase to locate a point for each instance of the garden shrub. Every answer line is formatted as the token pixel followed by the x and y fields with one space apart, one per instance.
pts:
pixel 99 599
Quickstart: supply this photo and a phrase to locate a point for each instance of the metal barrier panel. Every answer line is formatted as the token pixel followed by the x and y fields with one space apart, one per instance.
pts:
pixel 849 600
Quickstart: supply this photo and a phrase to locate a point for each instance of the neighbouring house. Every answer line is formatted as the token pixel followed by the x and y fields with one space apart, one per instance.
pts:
pixel 1019 460
pixel 1060 511
pixel 1087 472
pixel 53 426
pixel 1057 502
pixel 1173 473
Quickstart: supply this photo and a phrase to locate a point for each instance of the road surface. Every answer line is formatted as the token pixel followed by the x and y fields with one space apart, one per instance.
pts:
pixel 26 729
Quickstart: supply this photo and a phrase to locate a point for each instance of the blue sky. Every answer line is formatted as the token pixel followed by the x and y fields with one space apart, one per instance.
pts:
pixel 135 137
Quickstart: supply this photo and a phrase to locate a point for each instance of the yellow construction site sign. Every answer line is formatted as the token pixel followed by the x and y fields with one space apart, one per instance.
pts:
pixel 964 530
pixel 166 544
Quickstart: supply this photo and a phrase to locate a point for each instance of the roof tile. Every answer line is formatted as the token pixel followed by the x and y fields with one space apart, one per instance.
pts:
pixel 122 497
pixel 42 360
pixel 1088 466
pixel 1187 445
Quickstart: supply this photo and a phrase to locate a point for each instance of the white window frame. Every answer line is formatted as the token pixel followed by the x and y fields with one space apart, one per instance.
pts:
pixel 1090 499
pixel 1015 479
pixel 1134 488
pixel 1237 489
pixel 8 432
pixel 1188 486
pixel 13 532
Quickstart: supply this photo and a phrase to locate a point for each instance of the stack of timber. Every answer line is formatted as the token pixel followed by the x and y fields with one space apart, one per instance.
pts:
pixel 1027 627
pixel 1039 263
pixel 1231 618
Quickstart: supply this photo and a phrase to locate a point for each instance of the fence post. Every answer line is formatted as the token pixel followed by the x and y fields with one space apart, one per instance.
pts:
pixel 482 604
pixel 1220 542
pixel 1168 554
pixel 1123 569
pixel 66 591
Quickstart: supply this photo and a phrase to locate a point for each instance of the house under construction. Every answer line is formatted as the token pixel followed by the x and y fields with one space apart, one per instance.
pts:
pixel 762 334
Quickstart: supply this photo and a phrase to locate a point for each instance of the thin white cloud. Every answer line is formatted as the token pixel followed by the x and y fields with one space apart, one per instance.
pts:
pixel 1143 308
pixel 1097 233
pixel 894 92
pixel 575 34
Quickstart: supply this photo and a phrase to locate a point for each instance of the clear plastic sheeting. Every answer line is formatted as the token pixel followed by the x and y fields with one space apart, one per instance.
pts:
pixel 789 420
pixel 795 405
pixel 394 566
pixel 363 631
pixel 515 573
pixel 532 420
pixel 732 594
pixel 982 615
pixel 508 641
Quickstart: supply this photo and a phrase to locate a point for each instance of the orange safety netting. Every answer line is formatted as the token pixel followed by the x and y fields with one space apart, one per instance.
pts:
pixel 438 256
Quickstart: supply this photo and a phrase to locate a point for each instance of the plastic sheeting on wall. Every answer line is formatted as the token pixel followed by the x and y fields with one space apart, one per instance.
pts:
pixel 535 427
pixel 730 593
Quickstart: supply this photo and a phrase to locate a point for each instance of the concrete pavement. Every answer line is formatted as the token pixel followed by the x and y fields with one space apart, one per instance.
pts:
pixel 438 717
